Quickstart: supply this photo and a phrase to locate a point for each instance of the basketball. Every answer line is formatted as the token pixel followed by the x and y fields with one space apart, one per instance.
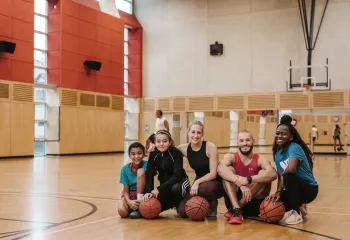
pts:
pixel 339 149
pixel 150 208
pixel 272 213
pixel 197 208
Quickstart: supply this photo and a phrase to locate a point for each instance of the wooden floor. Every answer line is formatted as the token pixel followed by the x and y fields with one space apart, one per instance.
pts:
pixel 77 197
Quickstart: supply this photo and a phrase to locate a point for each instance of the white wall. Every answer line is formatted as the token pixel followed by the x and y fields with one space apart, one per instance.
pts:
pixel 259 37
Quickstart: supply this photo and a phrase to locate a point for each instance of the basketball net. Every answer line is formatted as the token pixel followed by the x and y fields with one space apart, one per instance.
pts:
pixel 306 89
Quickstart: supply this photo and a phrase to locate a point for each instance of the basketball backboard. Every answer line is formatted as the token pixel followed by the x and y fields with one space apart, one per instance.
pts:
pixel 315 76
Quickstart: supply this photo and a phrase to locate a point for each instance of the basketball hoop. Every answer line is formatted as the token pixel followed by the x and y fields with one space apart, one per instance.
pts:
pixel 306 89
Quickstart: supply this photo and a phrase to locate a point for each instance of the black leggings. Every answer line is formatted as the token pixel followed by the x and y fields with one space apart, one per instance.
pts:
pixel 172 197
pixel 210 190
pixel 297 192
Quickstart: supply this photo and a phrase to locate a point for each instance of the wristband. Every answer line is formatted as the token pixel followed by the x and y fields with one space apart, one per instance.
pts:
pixel 249 178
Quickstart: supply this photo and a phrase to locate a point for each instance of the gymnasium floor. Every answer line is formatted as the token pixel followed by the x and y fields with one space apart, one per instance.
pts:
pixel 76 197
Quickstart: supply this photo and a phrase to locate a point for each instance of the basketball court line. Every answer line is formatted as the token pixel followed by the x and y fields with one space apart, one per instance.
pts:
pixel 28 221
pixel 302 230
pixel 337 214
pixel 81 225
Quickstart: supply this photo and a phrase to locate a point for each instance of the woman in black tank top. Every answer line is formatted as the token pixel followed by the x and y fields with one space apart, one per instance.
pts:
pixel 203 159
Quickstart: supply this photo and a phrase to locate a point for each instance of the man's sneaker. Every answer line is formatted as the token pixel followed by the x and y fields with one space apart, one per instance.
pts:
pixel 293 218
pixel 237 217
pixel 213 210
pixel 135 214
pixel 303 211
pixel 228 214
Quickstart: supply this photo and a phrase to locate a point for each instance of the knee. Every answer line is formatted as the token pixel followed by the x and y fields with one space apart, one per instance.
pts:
pixel 206 187
pixel 176 190
pixel 141 172
pixel 124 213
pixel 288 178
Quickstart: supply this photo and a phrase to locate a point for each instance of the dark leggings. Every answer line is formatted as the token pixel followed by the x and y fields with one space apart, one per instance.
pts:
pixel 210 190
pixel 172 197
pixel 297 192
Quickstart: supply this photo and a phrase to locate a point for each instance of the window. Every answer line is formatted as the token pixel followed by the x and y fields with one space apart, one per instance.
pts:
pixel 40 75
pixel 126 61
pixel 124 5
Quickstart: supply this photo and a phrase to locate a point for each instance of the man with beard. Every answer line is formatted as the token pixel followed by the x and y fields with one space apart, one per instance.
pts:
pixel 246 178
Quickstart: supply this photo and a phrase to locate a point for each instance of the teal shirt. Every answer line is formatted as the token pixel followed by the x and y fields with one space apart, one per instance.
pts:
pixel 303 168
pixel 127 177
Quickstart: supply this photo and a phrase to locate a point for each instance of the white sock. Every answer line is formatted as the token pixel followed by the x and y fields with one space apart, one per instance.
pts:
pixel 140 196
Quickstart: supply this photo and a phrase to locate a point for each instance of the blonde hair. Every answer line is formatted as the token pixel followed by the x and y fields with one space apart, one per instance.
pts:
pixel 196 122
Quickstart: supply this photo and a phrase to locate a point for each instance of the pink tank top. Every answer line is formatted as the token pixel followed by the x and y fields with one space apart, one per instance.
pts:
pixel 250 170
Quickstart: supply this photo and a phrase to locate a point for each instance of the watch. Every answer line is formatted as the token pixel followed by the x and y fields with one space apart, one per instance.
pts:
pixel 249 178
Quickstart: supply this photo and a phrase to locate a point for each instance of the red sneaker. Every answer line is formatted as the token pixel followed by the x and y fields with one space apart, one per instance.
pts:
pixel 228 214
pixel 236 217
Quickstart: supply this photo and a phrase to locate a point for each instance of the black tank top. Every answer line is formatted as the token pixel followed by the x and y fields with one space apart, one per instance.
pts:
pixel 198 160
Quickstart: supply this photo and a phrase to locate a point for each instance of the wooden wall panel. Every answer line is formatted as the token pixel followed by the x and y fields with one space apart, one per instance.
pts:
pixel 216 130
pixel 22 129
pixel 294 101
pixel 328 99
pixel 262 101
pixel 230 102
pixel 69 130
pixel 86 130
pixel 5 130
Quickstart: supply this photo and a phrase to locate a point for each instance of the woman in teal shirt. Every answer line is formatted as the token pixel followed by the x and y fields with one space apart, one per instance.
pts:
pixel 297 185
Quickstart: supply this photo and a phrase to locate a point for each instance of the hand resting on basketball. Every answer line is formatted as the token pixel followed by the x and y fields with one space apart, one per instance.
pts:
pixel 147 196
pixel 155 192
pixel 274 197
pixel 133 204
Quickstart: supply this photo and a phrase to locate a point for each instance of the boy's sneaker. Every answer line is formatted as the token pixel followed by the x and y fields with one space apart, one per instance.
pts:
pixel 135 214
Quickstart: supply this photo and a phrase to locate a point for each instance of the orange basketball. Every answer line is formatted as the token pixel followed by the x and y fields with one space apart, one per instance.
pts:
pixel 150 208
pixel 272 213
pixel 197 208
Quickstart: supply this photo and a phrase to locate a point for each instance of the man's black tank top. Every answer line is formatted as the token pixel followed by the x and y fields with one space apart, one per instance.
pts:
pixel 198 160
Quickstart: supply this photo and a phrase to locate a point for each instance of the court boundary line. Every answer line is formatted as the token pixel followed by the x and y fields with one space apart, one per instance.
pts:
pixel 80 225
pixel 294 228
pixel 94 210
pixel 44 228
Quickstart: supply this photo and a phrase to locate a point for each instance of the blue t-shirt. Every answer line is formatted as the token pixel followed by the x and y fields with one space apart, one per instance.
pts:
pixel 303 168
pixel 127 177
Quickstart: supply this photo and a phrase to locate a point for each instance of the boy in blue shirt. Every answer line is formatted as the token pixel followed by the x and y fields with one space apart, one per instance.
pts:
pixel 133 177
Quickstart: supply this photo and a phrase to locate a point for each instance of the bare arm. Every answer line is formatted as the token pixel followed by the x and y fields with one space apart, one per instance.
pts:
pixel 268 173
pixel 183 149
pixel 126 193
pixel 166 124
pixel 213 163
pixel 223 169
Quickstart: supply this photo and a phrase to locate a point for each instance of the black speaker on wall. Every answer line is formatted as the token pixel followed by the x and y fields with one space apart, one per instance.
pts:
pixel 93 65
pixel 7 47
pixel 216 49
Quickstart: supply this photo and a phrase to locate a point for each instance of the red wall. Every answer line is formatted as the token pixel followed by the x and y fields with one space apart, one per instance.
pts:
pixel 78 33
pixel 17 25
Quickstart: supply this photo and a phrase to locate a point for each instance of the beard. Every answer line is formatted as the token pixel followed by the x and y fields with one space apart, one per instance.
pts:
pixel 246 152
